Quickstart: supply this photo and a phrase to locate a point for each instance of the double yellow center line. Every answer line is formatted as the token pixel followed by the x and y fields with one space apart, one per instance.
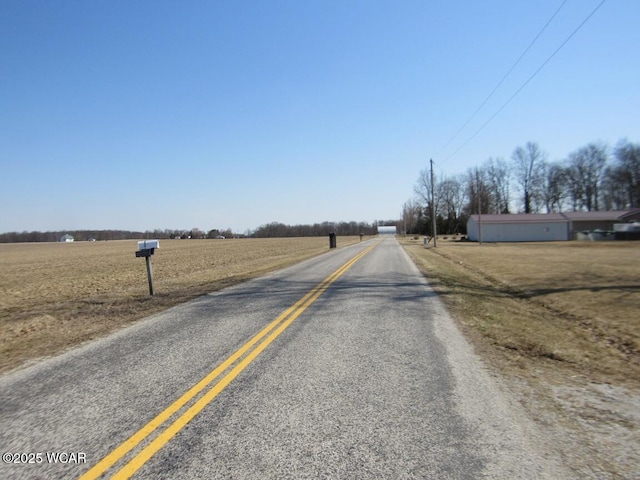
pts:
pixel 239 360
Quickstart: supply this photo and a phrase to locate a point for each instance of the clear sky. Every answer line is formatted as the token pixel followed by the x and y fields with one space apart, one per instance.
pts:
pixel 231 114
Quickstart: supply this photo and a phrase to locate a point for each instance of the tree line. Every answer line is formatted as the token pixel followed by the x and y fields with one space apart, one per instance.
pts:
pixel 78 235
pixel 276 229
pixel 268 230
pixel 100 235
pixel 591 178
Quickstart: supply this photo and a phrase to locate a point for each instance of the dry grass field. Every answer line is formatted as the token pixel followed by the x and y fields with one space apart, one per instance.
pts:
pixel 561 323
pixel 56 295
pixel 576 304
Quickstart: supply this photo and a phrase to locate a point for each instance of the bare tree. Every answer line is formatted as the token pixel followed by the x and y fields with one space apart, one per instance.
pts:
pixel 615 191
pixel 587 166
pixel 478 191
pixel 528 169
pixel 555 189
pixel 452 204
pixel 498 178
pixel 452 196
pixel 196 233
pixel 410 216
pixel 423 189
pixel 628 171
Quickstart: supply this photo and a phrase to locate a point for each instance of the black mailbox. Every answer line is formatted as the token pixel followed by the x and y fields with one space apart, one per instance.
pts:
pixel 332 240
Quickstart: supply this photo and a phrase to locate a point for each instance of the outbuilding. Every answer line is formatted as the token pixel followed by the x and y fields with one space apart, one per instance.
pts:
pixel 543 227
pixel 387 230
pixel 520 227
pixel 66 238
pixel 588 221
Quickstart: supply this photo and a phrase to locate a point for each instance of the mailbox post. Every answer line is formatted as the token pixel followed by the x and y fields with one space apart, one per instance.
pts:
pixel 146 248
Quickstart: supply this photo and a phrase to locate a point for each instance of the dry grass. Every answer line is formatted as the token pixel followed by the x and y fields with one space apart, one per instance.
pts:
pixel 561 321
pixel 575 303
pixel 54 295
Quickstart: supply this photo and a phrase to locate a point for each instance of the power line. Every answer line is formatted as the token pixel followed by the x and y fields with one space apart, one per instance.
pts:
pixel 528 80
pixel 502 80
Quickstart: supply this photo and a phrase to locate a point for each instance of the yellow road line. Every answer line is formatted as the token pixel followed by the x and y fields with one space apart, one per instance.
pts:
pixel 290 314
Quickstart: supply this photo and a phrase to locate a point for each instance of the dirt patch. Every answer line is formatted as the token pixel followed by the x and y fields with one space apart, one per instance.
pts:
pixel 559 322
pixel 54 296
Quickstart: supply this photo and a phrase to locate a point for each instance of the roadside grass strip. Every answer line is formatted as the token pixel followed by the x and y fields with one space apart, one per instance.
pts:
pixel 233 365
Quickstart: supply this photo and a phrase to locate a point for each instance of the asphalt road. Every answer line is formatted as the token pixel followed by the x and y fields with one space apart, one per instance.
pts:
pixel 366 377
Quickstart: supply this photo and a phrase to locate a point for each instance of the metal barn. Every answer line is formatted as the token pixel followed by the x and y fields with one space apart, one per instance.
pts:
pixel 543 227
pixel 518 228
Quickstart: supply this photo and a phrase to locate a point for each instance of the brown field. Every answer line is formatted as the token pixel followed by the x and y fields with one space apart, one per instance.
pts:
pixel 561 323
pixel 56 295
pixel 575 303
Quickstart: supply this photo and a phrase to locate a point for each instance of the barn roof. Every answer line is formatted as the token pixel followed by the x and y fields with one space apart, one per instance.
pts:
pixel 615 215
pixel 595 216
pixel 521 218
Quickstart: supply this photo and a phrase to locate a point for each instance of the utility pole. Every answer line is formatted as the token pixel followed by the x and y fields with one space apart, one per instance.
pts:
pixel 433 205
pixel 479 195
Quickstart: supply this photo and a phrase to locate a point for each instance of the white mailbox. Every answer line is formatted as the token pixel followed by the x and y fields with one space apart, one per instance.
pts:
pixel 146 249
pixel 147 244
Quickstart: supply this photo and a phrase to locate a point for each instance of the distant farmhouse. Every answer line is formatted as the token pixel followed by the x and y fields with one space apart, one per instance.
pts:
pixel 66 238
pixel 544 227
pixel 389 230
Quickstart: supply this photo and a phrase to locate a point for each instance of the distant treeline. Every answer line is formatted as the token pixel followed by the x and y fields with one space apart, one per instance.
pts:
pixel 78 235
pixel 269 230
pixel 99 235
pixel 317 229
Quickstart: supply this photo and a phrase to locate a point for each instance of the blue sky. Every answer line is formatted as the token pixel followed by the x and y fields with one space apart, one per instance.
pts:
pixel 224 114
